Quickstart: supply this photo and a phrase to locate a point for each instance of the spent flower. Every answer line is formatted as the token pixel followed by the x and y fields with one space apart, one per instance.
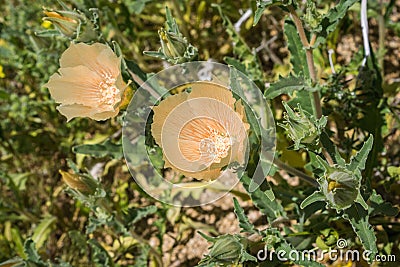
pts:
pixel 89 82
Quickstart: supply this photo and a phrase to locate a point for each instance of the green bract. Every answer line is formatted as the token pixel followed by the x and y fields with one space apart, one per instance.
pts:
pixel 301 127
pixel 175 48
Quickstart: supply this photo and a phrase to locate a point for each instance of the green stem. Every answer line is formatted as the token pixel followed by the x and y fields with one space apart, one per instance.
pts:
pixel 295 172
pixel 317 108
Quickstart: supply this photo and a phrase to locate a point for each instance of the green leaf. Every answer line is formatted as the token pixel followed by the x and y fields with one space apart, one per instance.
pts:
pixel 261 6
pixel 286 85
pixel 358 218
pixel 246 56
pixel 135 214
pixel 331 19
pixel 32 256
pixel 244 222
pixel 298 57
pixel 358 161
pixel 106 148
pixel 4 95
pixel 314 197
pixel 286 250
pixel 100 256
pixel 378 206
pixel 14 262
pixel 43 230
pixel 134 69
pixel 271 208
pixel 136 6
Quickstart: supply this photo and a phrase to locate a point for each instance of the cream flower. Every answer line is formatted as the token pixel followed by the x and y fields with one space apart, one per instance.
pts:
pixel 202 131
pixel 89 82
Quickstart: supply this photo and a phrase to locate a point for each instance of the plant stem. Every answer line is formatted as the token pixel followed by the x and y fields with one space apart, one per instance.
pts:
pixel 311 68
pixel 295 172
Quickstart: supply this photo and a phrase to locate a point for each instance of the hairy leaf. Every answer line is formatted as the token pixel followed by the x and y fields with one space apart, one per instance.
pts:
pixel 314 197
pixel 43 230
pixel 271 208
pixel 378 206
pixel 106 148
pixel 358 161
pixel 32 256
pixel 244 222
pixel 135 214
pixel 331 19
pixel 247 57
pixel 297 51
pixel 358 218
pixel 286 85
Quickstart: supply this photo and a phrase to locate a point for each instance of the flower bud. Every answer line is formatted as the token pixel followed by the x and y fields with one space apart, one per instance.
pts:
pixel 71 24
pixel 227 248
pixel 80 183
pixel 340 188
pixel 301 127
pixel 175 48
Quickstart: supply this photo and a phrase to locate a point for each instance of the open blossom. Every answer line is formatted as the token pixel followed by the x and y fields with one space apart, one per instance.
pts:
pixel 202 131
pixel 89 82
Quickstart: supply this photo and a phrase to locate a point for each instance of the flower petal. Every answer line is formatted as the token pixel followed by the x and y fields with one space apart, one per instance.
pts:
pixel 161 112
pixel 76 85
pixel 77 110
pixel 86 55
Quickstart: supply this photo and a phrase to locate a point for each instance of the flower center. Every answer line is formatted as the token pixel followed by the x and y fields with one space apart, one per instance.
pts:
pixel 108 90
pixel 217 144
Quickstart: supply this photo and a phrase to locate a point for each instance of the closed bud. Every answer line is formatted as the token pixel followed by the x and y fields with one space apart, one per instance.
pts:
pixel 71 24
pixel 227 248
pixel 301 127
pixel 340 188
pixel 80 183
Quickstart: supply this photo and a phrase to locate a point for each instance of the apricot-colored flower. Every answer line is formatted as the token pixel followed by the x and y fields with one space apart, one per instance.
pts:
pixel 202 131
pixel 89 82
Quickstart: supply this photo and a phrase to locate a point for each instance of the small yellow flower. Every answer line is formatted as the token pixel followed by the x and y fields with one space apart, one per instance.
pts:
pixel 202 131
pixel 89 82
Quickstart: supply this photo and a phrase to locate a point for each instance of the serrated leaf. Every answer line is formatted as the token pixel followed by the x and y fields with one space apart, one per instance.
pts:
pixel 331 19
pixel 244 222
pixel 358 161
pixel 143 257
pixel 378 206
pixel 43 230
pixel 106 148
pixel 31 254
pixel 271 208
pixel 314 197
pixel 135 214
pixel 298 57
pixel 261 6
pixel 286 85
pixel 246 56
pixel 358 218
pixel 100 256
